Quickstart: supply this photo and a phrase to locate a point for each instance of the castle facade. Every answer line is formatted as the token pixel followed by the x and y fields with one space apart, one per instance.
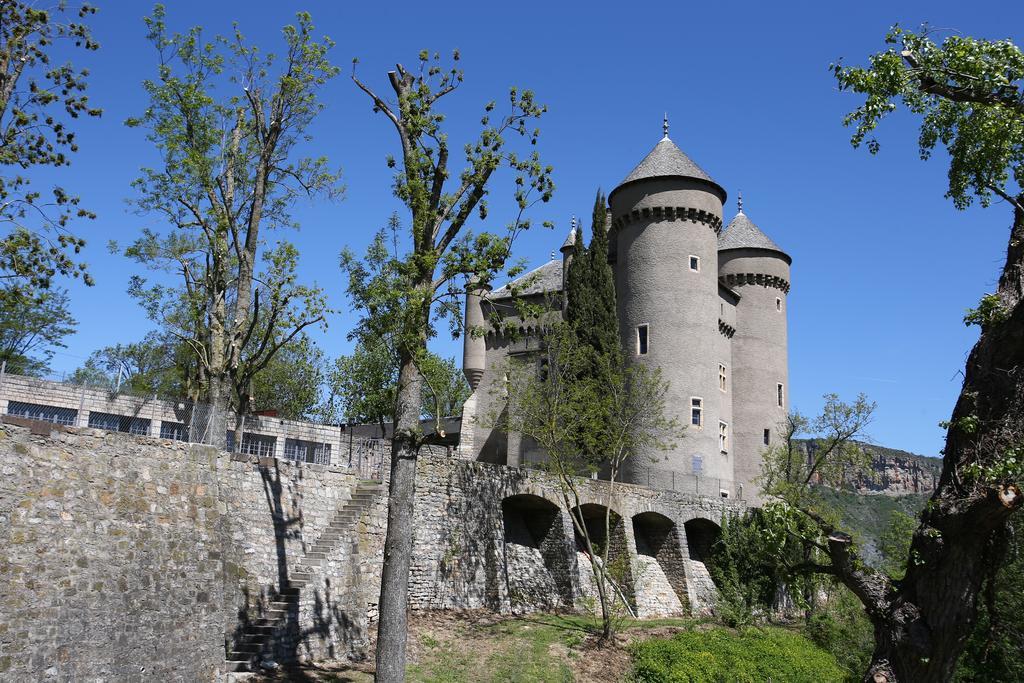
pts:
pixel 705 304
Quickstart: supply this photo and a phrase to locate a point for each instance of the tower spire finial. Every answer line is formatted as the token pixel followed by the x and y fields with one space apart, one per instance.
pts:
pixel 739 201
pixel 664 125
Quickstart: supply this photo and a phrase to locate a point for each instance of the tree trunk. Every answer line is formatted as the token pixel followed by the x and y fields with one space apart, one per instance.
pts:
pixel 216 423
pixel 922 624
pixel 392 624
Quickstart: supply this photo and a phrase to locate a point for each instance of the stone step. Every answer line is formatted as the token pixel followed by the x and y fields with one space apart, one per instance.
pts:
pixel 246 647
pixel 250 639
pixel 237 665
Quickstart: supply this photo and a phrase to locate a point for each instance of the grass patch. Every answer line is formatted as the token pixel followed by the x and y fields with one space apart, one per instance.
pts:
pixel 719 654
pixel 520 650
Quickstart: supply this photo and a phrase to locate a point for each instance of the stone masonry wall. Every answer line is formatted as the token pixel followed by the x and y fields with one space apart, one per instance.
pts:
pixel 130 558
pixel 460 556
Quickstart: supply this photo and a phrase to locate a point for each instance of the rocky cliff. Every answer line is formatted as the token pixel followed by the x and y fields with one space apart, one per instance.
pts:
pixel 894 472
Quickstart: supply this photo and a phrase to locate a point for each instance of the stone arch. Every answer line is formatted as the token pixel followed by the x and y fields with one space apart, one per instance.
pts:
pixel 661 570
pixel 701 534
pixel 538 572
pixel 593 517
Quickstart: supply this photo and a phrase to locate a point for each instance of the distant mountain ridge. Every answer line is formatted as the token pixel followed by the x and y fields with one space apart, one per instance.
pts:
pixel 893 472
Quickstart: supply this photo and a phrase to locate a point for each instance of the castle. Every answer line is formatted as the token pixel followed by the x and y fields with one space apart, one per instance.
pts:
pixel 705 305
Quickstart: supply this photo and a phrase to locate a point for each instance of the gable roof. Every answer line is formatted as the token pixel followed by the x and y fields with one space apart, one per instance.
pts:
pixel 741 233
pixel 546 278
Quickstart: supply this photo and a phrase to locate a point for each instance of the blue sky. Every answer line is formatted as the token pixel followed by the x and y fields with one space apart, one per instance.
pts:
pixel 883 268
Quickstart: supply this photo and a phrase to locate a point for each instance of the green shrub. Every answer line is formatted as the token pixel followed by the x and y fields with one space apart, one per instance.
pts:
pixel 842 629
pixel 753 654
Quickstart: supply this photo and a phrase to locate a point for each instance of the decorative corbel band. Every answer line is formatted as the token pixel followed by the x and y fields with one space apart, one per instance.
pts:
pixel 741 279
pixel 726 329
pixel 669 213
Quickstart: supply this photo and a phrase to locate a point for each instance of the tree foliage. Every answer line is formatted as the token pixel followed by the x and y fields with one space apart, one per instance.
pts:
pixel 365 385
pixel 231 167
pixel 148 367
pixel 292 383
pixel 587 425
pixel 439 256
pixel 366 381
pixel 591 310
pixel 33 323
pixel 38 100
pixel 968 98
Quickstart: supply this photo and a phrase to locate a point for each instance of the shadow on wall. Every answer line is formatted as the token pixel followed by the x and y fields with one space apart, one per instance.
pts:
pixel 593 516
pixel 269 625
pixel 657 545
pixel 469 572
pixel 701 534
pixel 536 554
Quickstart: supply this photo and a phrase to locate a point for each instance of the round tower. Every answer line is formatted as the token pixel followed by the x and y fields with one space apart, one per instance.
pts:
pixel 756 268
pixel 666 216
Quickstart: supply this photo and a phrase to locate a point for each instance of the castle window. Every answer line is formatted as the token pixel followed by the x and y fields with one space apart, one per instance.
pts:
pixel 721 377
pixel 778 304
pixel 697 412
pixel 695 263
pixel 723 437
pixel 723 492
pixel 767 437
pixel 781 394
pixel 641 339
pixel 698 464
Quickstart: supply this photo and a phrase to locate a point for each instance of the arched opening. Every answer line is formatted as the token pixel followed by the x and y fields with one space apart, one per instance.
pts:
pixel 701 535
pixel 661 571
pixel 593 517
pixel 537 566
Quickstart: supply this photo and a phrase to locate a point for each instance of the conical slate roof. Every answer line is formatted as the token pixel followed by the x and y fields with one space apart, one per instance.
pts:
pixel 570 240
pixel 741 233
pixel 667 160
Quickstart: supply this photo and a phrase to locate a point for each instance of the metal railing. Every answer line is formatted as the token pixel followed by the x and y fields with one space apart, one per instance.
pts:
pixel 682 481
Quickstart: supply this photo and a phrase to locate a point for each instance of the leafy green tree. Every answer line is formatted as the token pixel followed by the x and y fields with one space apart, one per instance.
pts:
pixel 895 543
pixel 844 630
pixel 148 367
pixel 38 100
pixel 33 323
pixel 230 168
pixel 291 384
pixel 439 256
pixel 758 563
pixel 968 96
pixel 587 425
pixel 366 382
pixel 365 385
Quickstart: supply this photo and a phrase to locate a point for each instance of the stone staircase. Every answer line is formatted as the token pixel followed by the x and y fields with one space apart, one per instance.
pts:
pixel 257 639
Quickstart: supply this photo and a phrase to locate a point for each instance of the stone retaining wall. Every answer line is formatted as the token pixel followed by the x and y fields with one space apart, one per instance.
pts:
pixel 130 558
pixel 465 545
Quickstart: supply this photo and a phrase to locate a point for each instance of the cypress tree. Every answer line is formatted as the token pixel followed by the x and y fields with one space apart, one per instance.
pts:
pixel 591 311
pixel 575 281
